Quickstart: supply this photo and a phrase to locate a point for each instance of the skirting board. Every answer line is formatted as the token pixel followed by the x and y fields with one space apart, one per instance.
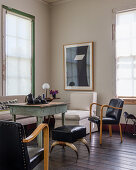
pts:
pixel 115 128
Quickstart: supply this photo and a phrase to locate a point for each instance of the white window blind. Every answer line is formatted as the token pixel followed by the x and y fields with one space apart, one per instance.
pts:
pixel 18 54
pixel 126 54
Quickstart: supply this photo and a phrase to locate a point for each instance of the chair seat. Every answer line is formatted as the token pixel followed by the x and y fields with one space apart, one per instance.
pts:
pixel 74 115
pixel 105 120
pixel 68 133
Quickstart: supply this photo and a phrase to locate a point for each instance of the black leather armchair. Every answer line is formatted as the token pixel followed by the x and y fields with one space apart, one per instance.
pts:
pixel 113 114
pixel 13 148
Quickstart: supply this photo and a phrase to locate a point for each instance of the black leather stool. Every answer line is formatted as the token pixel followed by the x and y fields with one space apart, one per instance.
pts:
pixel 67 135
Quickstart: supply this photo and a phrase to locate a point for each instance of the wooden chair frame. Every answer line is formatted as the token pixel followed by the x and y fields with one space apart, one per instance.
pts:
pixel 45 129
pixel 101 117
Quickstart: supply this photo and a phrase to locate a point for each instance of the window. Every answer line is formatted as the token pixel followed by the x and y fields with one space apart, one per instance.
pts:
pixel 18 53
pixel 126 54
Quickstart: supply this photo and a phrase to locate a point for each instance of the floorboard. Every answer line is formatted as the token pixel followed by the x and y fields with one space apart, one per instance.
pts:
pixel 112 155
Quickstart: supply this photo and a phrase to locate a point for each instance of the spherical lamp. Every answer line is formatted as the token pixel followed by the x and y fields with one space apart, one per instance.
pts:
pixel 46 86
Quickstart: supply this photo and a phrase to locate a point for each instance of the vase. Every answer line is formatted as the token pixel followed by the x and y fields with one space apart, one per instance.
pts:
pixel 54 96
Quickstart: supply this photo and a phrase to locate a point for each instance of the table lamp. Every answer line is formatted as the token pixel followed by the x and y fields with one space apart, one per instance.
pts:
pixel 46 86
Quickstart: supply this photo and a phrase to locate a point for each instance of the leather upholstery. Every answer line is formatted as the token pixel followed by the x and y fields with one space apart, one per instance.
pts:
pixel 13 152
pixel 105 120
pixel 112 115
pixel 68 133
pixel 115 113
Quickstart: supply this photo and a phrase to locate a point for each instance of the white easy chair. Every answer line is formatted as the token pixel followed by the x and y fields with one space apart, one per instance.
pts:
pixel 79 110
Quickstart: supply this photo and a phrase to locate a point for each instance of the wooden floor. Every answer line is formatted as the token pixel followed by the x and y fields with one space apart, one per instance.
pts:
pixel 112 155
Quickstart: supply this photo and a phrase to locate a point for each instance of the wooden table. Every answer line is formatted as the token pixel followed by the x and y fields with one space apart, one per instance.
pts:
pixel 39 110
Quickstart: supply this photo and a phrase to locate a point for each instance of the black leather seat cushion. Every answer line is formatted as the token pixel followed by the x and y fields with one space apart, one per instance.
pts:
pixel 68 133
pixel 105 120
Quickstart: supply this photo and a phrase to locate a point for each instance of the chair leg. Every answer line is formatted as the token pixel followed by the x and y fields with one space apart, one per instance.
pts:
pixel 64 144
pixel 120 132
pixel 100 133
pixel 46 148
pixel 85 142
pixel 110 130
pixel 90 130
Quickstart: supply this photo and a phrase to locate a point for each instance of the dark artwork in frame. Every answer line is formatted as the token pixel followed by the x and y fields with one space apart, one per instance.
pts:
pixel 78 60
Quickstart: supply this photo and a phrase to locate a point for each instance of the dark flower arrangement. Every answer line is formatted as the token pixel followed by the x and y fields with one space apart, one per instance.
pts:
pixel 53 92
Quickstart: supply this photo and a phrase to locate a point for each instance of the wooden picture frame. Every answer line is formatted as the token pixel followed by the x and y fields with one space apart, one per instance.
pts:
pixel 78 66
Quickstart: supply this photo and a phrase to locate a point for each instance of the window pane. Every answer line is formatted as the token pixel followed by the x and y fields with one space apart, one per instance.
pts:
pixel 23 28
pixel 23 48
pixel 11 20
pixel 134 87
pixel 124 88
pixel 10 46
pixel 123 48
pixel 11 67
pixel 25 63
pixel 18 55
pixel 126 54
pixel 12 86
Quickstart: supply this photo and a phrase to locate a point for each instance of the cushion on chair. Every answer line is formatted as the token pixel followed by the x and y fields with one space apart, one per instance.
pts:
pixel 73 115
pixel 68 133
pixel 105 120
pixel 82 100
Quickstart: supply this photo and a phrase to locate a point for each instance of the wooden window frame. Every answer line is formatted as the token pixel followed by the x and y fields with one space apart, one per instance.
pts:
pixel 128 100
pixel 33 46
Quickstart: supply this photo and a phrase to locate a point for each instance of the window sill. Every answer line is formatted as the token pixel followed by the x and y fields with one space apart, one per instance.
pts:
pixel 129 100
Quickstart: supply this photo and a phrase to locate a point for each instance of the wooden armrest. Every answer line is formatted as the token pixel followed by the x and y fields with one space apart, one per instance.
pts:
pixel 45 129
pixel 91 107
pixel 35 133
pixel 111 107
pixel 95 104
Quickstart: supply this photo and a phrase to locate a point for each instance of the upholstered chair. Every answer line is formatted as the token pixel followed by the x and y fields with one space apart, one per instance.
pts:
pixel 113 114
pixel 13 149
pixel 79 110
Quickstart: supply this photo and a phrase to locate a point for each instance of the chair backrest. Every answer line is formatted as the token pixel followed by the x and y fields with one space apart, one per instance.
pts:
pixel 13 152
pixel 115 113
pixel 82 100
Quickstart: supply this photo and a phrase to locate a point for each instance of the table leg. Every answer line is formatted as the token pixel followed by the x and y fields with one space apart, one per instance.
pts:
pixel 39 137
pixel 14 118
pixel 63 119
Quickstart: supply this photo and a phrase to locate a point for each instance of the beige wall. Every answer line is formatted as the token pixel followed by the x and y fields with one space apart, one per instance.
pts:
pixel 42 34
pixel 73 22
pixel 83 21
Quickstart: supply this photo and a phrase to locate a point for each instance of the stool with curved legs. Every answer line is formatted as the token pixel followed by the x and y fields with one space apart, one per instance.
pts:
pixel 67 135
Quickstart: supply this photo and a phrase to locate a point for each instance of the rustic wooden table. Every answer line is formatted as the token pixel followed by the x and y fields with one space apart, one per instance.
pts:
pixel 39 110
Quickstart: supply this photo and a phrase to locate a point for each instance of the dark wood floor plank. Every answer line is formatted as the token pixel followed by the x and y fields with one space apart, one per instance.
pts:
pixel 112 155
